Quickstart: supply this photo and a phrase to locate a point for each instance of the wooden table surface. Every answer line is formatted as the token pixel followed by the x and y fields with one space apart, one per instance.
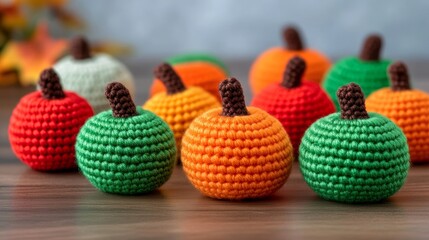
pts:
pixel 35 205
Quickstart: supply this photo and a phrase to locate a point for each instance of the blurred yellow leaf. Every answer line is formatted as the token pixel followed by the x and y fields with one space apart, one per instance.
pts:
pixel 34 55
pixel 37 4
pixel 11 15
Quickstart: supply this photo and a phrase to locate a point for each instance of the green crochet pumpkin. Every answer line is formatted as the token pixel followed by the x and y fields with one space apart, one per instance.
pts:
pixel 126 150
pixel 88 75
pixel 369 71
pixel 354 156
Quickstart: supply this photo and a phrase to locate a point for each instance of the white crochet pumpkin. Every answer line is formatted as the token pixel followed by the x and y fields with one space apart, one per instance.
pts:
pixel 88 75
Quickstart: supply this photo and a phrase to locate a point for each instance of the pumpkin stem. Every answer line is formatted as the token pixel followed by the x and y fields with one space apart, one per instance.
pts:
pixel 294 71
pixel 371 48
pixel 399 76
pixel 233 103
pixel 352 102
pixel 120 100
pixel 169 78
pixel 50 85
pixel 292 39
pixel 79 48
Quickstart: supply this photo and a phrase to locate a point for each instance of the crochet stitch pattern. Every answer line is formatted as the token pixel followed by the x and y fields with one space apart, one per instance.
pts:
pixel 268 68
pixel 199 70
pixel 44 125
pixel 236 154
pixel 88 75
pixel 354 156
pixel 127 150
pixel 295 103
pixel 179 106
pixel 369 71
pixel 408 108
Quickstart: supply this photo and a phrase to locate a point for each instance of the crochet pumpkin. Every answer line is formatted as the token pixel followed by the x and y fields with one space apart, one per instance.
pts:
pixel 44 125
pixel 269 66
pixel 126 150
pixel 88 74
pixel 236 152
pixel 407 107
pixel 354 156
pixel 201 70
pixel 295 103
pixel 180 105
pixel 369 71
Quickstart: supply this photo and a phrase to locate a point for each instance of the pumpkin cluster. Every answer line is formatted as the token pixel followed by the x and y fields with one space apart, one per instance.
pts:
pixel 269 66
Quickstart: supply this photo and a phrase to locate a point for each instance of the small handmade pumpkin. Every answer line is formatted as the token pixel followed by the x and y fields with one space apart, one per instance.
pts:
pixel 88 74
pixel 407 107
pixel 269 66
pixel 126 150
pixel 236 152
pixel 354 156
pixel 369 71
pixel 201 70
pixel 295 103
pixel 180 105
pixel 44 125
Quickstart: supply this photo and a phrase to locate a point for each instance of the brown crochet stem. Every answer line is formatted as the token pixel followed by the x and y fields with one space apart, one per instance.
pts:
pixel 292 39
pixel 371 48
pixel 172 82
pixel 294 71
pixel 352 102
pixel 50 85
pixel 80 49
pixel 399 77
pixel 233 103
pixel 120 100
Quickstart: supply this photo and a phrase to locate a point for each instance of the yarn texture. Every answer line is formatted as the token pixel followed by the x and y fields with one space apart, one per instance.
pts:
pixel 354 156
pixel 197 70
pixel 180 109
pixel 129 155
pixel 269 66
pixel 236 154
pixel 88 77
pixel 408 108
pixel 294 103
pixel 370 75
pixel 354 161
pixel 42 132
pixel 296 108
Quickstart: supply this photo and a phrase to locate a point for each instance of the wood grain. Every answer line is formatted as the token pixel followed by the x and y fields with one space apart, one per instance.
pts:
pixel 36 205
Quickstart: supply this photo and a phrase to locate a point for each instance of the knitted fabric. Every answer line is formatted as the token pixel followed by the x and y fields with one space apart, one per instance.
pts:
pixel 296 108
pixel 89 77
pixel 199 74
pixel 42 132
pixel 197 57
pixel 268 68
pixel 126 155
pixel 409 109
pixel 180 109
pixel 362 160
pixel 370 75
pixel 241 157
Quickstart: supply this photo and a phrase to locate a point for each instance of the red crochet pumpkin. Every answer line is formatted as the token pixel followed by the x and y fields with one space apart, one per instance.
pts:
pixel 295 103
pixel 44 125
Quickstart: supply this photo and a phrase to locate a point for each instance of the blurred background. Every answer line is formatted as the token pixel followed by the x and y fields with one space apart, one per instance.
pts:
pixel 142 33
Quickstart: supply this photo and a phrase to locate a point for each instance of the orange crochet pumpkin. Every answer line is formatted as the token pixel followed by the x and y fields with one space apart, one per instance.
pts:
pixel 407 107
pixel 199 70
pixel 269 66
pixel 179 105
pixel 236 152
